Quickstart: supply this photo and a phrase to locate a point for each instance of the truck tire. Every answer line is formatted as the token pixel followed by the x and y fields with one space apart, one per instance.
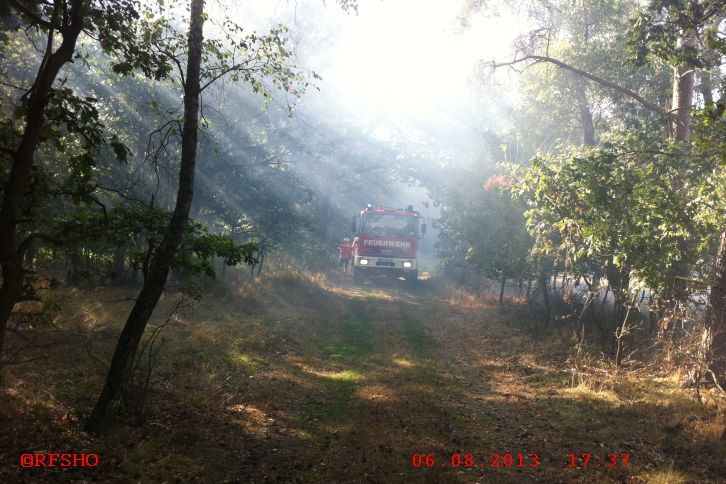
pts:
pixel 358 277
pixel 412 280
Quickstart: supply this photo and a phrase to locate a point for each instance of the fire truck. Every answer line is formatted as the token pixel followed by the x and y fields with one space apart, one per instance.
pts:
pixel 386 243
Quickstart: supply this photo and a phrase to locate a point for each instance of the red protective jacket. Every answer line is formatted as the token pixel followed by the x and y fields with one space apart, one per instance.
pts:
pixel 345 250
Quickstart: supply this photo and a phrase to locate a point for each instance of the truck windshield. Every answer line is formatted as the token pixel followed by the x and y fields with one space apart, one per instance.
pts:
pixel 388 224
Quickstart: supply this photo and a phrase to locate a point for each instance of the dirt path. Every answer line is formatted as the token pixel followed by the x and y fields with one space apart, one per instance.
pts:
pixel 319 381
pixel 404 373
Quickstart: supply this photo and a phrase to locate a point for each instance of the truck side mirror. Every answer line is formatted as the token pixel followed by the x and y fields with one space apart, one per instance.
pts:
pixel 353 225
pixel 423 228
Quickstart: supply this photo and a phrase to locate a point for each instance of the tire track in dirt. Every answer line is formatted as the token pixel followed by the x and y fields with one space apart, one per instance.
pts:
pixel 502 406
pixel 481 424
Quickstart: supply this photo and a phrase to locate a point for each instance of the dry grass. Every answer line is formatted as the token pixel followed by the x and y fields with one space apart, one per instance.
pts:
pixel 465 298
pixel 667 476
pixel 303 377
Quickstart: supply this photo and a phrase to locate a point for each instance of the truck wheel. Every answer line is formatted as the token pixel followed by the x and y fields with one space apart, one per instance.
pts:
pixel 412 280
pixel 358 277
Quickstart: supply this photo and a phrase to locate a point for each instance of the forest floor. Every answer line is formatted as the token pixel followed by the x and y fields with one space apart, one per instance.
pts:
pixel 302 378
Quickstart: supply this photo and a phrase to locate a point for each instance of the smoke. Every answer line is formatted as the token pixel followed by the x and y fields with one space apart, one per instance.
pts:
pixel 399 91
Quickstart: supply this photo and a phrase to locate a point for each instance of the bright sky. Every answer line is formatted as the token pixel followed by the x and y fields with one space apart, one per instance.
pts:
pixel 411 54
pixel 403 65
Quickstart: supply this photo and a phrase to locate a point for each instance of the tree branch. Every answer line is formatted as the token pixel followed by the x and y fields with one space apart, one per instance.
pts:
pixel 30 14
pixel 13 86
pixel 30 239
pixel 603 82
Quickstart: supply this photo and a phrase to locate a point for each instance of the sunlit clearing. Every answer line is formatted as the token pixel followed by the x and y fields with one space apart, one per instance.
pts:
pixel 249 362
pixel 370 293
pixel 345 375
pixel 530 360
pixel 587 393
pixel 403 362
pixel 378 393
pixel 251 418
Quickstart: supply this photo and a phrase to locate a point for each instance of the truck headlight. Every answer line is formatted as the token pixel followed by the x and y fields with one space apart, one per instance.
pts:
pixel 407 264
pixel 363 262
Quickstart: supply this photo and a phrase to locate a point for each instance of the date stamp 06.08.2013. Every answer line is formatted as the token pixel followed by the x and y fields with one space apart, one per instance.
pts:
pixel 580 460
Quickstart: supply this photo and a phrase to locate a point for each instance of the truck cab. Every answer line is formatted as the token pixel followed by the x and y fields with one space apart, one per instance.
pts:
pixel 386 243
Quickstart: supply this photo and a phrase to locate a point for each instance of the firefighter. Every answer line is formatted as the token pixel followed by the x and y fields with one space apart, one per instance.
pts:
pixel 345 250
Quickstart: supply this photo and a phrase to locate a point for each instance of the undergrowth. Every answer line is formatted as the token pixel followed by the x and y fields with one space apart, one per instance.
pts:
pixel 285 376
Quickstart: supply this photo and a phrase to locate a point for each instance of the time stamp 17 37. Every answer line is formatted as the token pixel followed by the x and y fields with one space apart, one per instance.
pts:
pixel 581 460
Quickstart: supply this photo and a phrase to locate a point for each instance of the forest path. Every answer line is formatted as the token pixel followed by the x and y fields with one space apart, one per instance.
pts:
pixel 302 378
pixel 383 373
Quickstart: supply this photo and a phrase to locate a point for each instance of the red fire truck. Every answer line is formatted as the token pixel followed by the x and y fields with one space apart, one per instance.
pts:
pixel 386 243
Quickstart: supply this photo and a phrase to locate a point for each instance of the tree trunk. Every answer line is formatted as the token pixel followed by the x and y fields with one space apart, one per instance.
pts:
pixel 622 332
pixel 706 87
pixel 121 364
pixel 529 289
pixel 588 126
pixel 683 84
pixel 259 265
pixel 29 258
pixel 118 267
pixel 543 282
pixel 619 280
pixel 684 78
pixel 73 275
pixel 714 338
pixel 325 215
pixel 22 158
pixel 134 276
pixel 501 291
